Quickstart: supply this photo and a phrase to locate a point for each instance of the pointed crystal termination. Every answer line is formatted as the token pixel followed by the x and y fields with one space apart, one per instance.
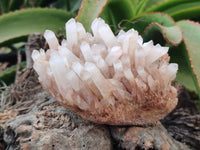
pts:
pixel 108 79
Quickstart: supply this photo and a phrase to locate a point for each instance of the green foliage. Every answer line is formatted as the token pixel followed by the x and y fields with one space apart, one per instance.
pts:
pixel 15 4
pixel 89 10
pixel 172 34
pixel 4 5
pixel 191 33
pixel 17 25
pixel 162 21
pixel 141 5
pixel 8 75
pixel 185 74
pixel 163 5
pixel 69 5
pixel 116 11
pixel 139 23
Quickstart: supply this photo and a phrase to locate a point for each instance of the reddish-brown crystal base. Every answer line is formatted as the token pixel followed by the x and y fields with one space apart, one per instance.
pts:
pixel 135 112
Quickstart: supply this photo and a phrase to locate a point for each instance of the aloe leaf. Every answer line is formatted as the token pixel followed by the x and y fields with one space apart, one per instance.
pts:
pixel 185 74
pixel 141 6
pixel 135 3
pixel 17 25
pixel 26 3
pixel 15 4
pixel 90 10
pixel 172 34
pixel 182 7
pixel 141 22
pixel 62 4
pixel 185 11
pixel 4 5
pixel 69 5
pixel 42 3
pixel 109 17
pixel 162 6
pixel 193 13
pixel 75 5
pixel 152 3
pixel 117 11
pixel 191 33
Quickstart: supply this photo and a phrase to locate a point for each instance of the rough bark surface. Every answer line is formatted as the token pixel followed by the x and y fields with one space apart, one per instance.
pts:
pixel 34 41
pixel 152 137
pixel 183 124
pixel 2 142
pixel 54 127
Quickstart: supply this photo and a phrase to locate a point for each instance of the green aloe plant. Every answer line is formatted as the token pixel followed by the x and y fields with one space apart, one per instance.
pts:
pixel 174 23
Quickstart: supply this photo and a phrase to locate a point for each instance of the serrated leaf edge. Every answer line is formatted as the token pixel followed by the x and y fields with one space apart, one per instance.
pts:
pixel 198 81
pixel 164 33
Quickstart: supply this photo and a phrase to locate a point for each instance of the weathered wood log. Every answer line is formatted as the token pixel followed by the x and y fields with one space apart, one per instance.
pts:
pixel 183 124
pixel 35 41
pixel 148 138
pixel 2 142
pixel 50 126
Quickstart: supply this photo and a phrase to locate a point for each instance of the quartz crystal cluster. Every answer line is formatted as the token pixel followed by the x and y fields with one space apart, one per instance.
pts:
pixel 108 79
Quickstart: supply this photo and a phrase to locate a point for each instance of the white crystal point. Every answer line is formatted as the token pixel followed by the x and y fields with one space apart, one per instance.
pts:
pixel 95 25
pixel 107 35
pixel 71 32
pixel 51 39
pixel 108 79
pixel 155 53
pixel 35 55
pixel 86 51
pixel 81 33
pixel 113 55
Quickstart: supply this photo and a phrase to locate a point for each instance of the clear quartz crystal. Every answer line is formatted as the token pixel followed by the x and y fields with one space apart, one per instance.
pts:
pixel 94 72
